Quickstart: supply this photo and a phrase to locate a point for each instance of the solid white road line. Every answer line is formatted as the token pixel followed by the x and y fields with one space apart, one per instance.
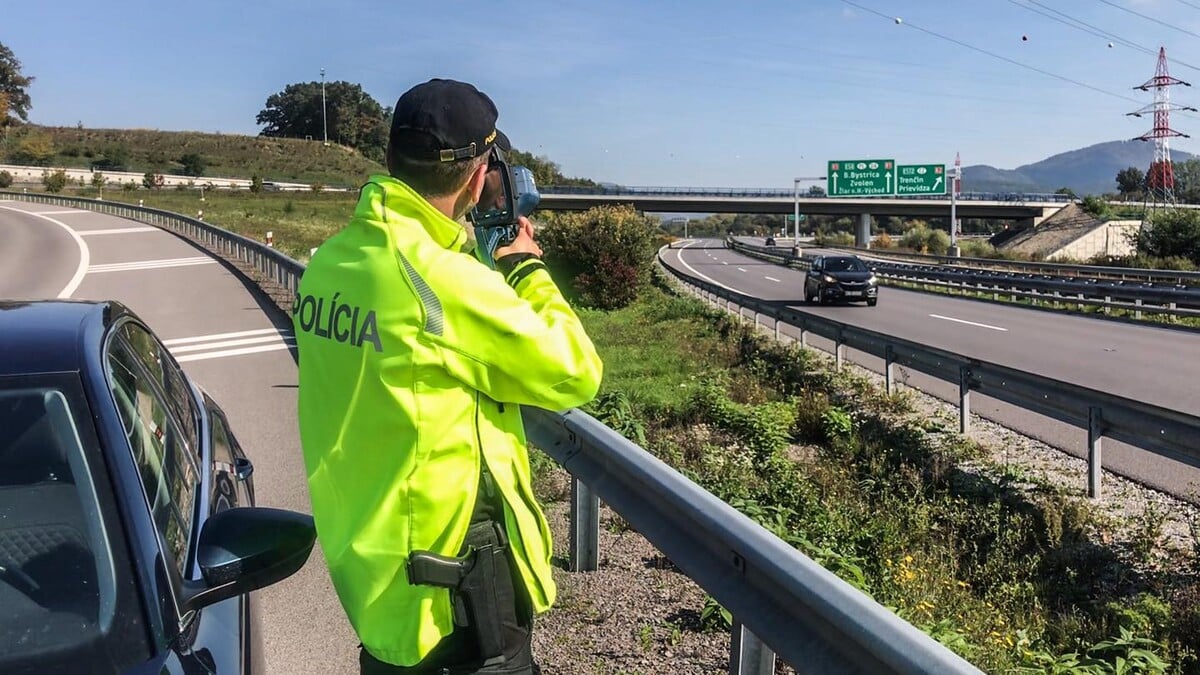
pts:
pixel 85 256
pixel 152 264
pixel 772 279
pixel 969 323
pixel 233 352
pixel 58 213
pixel 226 336
pixel 119 230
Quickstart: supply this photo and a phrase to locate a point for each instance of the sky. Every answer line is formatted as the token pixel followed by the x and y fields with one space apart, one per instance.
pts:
pixel 651 93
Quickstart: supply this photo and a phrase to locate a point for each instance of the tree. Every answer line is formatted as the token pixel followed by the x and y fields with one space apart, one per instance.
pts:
pixel 35 148
pixel 256 184
pixel 6 179
pixel 1171 233
pixel 115 158
pixel 97 180
pixel 14 99
pixel 193 164
pixel 1066 191
pixel 54 182
pixel 354 118
pixel 1131 182
pixel 816 191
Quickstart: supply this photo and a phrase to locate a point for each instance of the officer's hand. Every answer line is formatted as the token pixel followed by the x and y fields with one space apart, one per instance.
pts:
pixel 524 242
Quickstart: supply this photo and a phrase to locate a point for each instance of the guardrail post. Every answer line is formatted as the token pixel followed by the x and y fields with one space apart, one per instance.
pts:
pixel 964 400
pixel 585 528
pixel 1095 435
pixel 1107 302
pixel 1137 314
pixel 889 375
pixel 777 330
pixel 756 319
pixel 839 352
pixel 747 654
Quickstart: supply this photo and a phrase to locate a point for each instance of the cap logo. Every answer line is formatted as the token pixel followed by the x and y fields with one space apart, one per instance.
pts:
pixel 491 137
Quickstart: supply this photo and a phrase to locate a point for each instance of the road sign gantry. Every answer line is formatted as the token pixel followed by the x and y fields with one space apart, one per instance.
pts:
pixel 884 178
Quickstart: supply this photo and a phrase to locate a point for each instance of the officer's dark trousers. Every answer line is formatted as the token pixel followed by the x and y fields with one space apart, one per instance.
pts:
pixel 458 653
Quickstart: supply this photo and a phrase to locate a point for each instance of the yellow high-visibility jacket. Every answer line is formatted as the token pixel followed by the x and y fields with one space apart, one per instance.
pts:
pixel 414 358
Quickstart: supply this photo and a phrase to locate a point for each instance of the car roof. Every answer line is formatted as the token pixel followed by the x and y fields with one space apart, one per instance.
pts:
pixel 47 336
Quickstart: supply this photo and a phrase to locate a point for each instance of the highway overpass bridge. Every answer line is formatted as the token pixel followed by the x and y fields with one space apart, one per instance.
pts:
pixel 1029 209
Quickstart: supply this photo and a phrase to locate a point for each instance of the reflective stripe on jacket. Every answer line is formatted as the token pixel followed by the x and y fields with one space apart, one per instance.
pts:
pixel 414 358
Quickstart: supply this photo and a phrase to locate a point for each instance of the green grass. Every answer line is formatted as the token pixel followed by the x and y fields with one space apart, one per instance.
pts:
pixel 226 155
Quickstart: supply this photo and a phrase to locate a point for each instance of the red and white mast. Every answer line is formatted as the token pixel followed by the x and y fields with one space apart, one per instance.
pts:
pixel 1160 179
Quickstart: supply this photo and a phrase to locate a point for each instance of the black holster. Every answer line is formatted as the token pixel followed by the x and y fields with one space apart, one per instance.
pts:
pixel 481 586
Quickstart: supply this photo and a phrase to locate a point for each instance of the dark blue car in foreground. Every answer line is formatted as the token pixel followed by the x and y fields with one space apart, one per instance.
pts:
pixel 128 536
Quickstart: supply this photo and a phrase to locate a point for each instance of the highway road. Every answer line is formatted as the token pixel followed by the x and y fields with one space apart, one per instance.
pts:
pixel 1156 365
pixel 233 342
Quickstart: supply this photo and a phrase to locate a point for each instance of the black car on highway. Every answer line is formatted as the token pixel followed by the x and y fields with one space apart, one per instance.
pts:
pixel 831 278
pixel 128 536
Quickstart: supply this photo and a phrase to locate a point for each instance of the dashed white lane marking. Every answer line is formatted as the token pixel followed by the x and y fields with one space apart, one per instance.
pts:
pixel 118 230
pixel 152 264
pixel 741 269
pixel 724 263
pixel 217 345
pixel 679 255
pixel 85 255
pixel 772 279
pixel 969 323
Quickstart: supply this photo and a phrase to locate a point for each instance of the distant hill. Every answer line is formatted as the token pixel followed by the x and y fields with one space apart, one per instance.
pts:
pixel 1090 170
pixel 232 155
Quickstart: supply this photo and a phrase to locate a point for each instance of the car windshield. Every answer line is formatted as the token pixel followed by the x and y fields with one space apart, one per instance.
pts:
pixel 57 578
pixel 844 265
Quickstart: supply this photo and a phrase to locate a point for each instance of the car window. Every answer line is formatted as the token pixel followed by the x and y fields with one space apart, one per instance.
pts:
pixel 62 593
pixel 845 265
pixel 177 394
pixel 168 472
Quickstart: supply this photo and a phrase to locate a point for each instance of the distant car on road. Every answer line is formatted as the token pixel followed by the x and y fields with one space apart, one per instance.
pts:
pixel 770 241
pixel 831 278
pixel 128 536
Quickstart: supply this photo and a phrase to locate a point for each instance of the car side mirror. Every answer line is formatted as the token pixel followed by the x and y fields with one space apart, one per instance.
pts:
pixel 245 549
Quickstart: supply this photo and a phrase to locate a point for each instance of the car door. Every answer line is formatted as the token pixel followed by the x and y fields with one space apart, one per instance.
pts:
pixel 811 277
pixel 165 428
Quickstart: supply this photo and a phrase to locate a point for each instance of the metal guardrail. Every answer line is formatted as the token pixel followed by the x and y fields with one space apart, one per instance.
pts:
pixel 778 596
pixel 1027 267
pixel 1136 297
pixel 1157 429
pixel 641 191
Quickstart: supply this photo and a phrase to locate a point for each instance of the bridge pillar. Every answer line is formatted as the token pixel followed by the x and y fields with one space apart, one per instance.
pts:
pixel 862 237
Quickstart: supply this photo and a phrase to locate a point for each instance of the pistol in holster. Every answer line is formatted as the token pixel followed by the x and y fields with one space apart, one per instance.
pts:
pixel 472 580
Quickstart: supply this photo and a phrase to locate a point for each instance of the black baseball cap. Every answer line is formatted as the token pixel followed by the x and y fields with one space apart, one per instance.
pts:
pixel 445 121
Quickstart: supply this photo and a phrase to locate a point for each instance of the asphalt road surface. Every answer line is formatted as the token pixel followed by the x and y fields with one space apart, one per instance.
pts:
pixel 1155 365
pixel 233 342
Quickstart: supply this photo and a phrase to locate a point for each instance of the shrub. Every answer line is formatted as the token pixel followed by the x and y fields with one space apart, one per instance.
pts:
pixel 6 179
pixel 1096 207
pixel 193 164
pixel 97 180
pixel 1171 233
pixel 152 181
pixel 920 237
pixel 884 240
pixel 835 239
pixel 316 188
pixel 256 183
pixel 54 182
pixel 35 148
pixel 604 254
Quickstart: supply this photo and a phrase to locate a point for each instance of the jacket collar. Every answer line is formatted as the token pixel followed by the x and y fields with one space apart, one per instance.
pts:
pixel 388 200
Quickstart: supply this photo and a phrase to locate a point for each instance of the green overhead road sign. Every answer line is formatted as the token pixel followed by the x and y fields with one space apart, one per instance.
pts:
pixel 921 179
pixel 861 178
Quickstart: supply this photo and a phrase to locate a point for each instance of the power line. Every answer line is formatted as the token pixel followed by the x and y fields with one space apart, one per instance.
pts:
pixel 1079 24
pixel 994 55
pixel 1189 4
pixel 1150 18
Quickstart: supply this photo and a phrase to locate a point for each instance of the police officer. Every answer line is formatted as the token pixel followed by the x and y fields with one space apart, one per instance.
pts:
pixel 414 359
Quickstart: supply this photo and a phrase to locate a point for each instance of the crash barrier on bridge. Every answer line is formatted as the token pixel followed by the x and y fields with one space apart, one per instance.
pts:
pixel 782 601
pixel 1135 297
pixel 617 190
pixel 1064 270
pixel 1160 430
